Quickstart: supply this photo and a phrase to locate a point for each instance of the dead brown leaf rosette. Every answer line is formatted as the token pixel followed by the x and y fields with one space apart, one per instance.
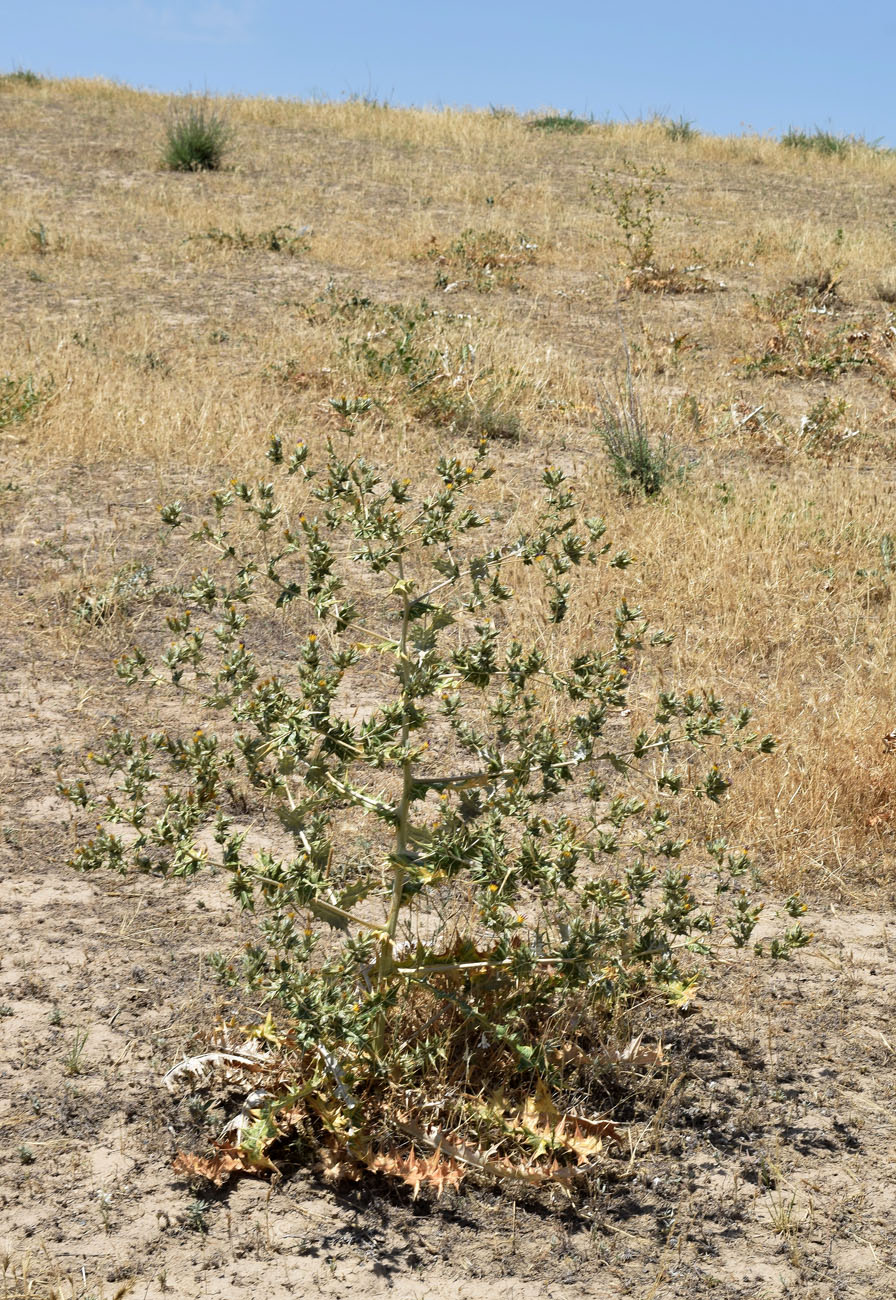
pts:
pixel 522 1139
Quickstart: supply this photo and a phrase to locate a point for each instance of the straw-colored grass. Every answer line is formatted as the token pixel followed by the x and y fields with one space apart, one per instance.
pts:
pixel 158 344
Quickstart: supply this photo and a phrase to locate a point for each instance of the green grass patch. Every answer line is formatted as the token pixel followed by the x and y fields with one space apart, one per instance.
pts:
pixel 196 139
pixel 19 398
pixel 560 124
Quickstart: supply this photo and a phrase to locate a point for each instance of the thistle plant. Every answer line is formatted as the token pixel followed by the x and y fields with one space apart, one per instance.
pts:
pixel 463 867
pixel 633 201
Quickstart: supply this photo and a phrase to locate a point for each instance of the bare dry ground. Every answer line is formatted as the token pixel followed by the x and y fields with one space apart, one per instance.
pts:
pixel 165 339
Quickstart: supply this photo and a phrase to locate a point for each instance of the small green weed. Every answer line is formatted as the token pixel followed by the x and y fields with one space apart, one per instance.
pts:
pixel 279 239
pixel 19 398
pixel 333 305
pixel 635 195
pixel 196 139
pixel 131 582
pixel 823 142
pixel 26 1155
pixel 677 129
pixel 195 1216
pixel 823 429
pixel 440 378
pixel 483 259
pixel 886 549
pixel 20 77
pixel 491 421
pixel 73 1062
pixel 642 464
pixel 805 348
pixel 40 239
pixel 150 362
pixel 560 124
pixel 809 339
pixel 786 1216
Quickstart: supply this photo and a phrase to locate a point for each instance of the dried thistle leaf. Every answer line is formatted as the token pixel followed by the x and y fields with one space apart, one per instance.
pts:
pixel 199 1068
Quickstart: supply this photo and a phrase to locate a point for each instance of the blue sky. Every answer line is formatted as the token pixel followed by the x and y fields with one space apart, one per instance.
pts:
pixel 725 66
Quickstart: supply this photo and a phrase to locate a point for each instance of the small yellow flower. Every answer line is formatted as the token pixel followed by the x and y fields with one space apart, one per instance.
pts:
pixel 493 889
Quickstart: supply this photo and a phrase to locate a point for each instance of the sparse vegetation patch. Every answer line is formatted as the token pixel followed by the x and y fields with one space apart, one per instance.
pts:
pixel 19 77
pixel 20 398
pixel 197 138
pixel 279 239
pixel 642 462
pixel 678 129
pixel 559 124
pixel 823 142
pixel 636 196
pixel 482 259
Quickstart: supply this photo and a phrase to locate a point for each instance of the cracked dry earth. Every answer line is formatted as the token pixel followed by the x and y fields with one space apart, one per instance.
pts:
pixel 770 1172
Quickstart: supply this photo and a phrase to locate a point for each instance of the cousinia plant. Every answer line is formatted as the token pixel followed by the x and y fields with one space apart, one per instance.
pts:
pixel 463 868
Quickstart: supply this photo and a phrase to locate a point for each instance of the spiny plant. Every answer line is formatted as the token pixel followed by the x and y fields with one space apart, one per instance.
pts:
pixel 462 863
pixel 634 198
pixel 436 370
pixel 129 583
pixel 484 258
pixel 807 343
pixel 196 139
pixel 824 429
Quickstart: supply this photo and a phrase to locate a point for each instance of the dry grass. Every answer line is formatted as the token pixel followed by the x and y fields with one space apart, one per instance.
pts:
pixel 166 347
